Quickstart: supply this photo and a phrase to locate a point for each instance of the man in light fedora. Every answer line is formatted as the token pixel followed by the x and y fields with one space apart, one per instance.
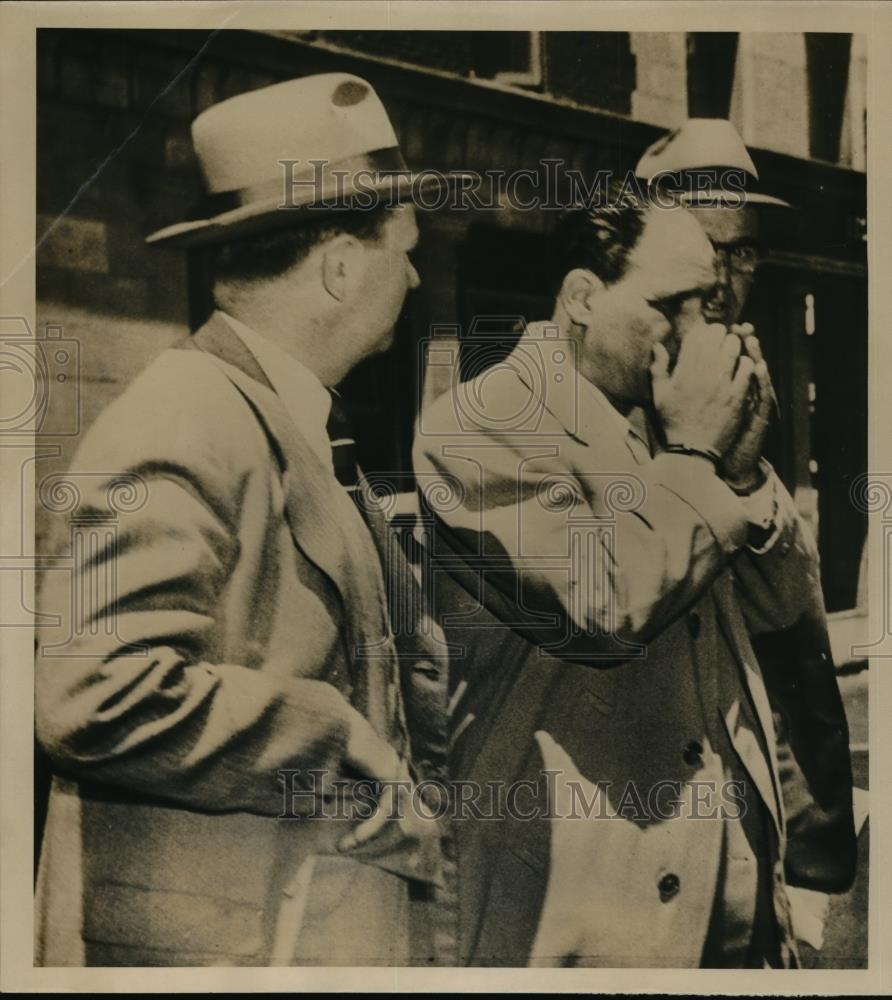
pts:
pixel 708 165
pixel 243 664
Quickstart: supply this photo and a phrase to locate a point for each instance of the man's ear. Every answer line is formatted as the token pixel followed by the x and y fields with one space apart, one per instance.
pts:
pixel 340 264
pixel 578 291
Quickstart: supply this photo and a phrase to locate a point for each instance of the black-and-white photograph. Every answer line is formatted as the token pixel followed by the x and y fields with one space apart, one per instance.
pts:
pixel 450 498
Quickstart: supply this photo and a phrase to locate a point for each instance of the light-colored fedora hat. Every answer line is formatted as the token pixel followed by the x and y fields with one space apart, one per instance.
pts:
pixel 284 154
pixel 701 144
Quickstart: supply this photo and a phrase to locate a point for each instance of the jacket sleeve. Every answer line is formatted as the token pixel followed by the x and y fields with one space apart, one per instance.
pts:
pixel 131 689
pixel 612 558
pixel 776 586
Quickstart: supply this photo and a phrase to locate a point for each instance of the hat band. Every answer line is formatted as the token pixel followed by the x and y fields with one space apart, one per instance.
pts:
pixel 304 182
pixel 693 182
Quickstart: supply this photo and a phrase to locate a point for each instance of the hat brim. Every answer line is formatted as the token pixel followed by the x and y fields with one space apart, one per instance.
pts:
pixel 716 199
pixel 270 213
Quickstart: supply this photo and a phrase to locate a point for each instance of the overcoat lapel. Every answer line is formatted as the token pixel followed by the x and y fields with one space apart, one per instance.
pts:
pixel 759 758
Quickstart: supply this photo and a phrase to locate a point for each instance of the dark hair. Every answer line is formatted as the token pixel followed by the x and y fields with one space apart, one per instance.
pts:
pixel 599 236
pixel 271 253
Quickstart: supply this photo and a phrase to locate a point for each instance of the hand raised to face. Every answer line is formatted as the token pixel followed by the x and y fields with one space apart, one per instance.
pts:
pixel 701 403
pixel 740 465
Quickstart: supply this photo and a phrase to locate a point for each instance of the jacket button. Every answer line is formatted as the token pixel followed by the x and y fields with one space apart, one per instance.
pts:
pixel 669 886
pixel 694 624
pixel 693 753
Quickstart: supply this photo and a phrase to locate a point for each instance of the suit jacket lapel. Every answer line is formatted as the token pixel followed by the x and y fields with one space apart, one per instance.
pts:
pixel 757 754
pixel 322 518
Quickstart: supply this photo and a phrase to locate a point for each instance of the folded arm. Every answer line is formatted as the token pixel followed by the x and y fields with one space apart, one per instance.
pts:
pixel 136 695
pixel 613 573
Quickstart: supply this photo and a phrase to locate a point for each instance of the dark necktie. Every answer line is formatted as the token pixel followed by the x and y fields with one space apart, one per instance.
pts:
pixel 349 475
pixel 343 447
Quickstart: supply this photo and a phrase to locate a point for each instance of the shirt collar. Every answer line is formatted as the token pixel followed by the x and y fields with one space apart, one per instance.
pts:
pixel 305 398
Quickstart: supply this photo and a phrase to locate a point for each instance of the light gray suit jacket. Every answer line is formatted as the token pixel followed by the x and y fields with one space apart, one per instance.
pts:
pixel 229 621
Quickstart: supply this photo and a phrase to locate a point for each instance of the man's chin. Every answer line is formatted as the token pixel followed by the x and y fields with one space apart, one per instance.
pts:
pixel 382 345
pixel 387 341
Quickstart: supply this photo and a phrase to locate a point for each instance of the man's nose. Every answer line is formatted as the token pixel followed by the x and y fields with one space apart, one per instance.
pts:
pixel 414 277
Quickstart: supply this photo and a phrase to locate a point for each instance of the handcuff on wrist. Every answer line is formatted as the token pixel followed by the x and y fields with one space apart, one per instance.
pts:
pixel 711 455
pixel 708 453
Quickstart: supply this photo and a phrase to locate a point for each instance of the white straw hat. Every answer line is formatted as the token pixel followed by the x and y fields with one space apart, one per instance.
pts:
pixel 284 154
pixel 703 144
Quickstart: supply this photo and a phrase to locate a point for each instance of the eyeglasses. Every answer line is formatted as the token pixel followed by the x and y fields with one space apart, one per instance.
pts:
pixel 742 258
